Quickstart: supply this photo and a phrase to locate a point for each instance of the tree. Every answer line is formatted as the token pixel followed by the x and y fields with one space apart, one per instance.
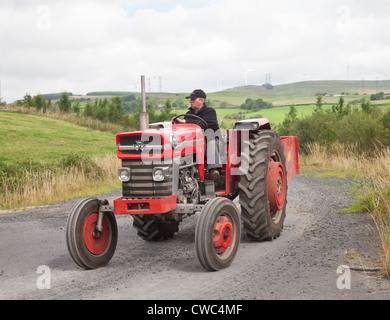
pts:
pixel 27 100
pixel 166 113
pixel 76 107
pixel 115 111
pixel 88 111
pixel 318 104
pixel 101 109
pixel 64 104
pixel 39 102
pixel 366 106
pixel 377 96
pixel 289 119
pixel 340 110
pixel 255 104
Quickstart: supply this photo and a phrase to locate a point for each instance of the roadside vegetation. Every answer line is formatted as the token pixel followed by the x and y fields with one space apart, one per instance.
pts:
pixel 351 142
pixel 371 172
pixel 32 183
pixel 45 160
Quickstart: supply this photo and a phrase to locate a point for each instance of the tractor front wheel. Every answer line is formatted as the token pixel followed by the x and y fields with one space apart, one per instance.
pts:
pixel 217 234
pixel 88 248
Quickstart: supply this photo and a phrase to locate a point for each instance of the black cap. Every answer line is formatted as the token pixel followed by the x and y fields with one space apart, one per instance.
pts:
pixel 197 94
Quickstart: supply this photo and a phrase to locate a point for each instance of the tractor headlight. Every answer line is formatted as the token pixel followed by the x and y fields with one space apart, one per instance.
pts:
pixel 124 174
pixel 173 141
pixel 160 174
pixel 255 126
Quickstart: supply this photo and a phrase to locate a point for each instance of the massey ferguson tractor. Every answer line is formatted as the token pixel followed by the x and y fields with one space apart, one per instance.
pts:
pixel 163 175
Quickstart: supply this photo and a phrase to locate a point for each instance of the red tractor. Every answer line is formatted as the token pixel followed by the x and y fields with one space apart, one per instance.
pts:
pixel 163 178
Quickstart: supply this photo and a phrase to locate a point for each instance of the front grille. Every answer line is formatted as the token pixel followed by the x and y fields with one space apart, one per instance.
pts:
pixel 131 144
pixel 141 185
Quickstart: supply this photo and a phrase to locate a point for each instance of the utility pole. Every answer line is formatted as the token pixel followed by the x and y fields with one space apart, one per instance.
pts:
pixel 268 78
pixel 144 117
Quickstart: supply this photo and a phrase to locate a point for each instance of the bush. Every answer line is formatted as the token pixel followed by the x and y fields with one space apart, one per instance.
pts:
pixel 377 96
pixel 363 130
pixel 318 127
pixel 366 129
pixel 254 105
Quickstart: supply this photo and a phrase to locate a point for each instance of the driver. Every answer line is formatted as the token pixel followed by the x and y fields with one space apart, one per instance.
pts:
pixel 200 109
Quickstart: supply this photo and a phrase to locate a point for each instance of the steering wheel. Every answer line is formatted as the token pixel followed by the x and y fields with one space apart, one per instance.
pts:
pixel 201 122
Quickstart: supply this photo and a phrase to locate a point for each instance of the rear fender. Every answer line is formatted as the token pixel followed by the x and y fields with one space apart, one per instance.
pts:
pixel 290 145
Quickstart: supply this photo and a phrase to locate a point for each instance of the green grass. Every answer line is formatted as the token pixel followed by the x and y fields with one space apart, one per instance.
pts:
pixel 27 137
pixel 274 115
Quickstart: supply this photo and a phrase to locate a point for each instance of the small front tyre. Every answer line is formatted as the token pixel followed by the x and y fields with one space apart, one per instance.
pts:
pixel 217 234
pixel 87 248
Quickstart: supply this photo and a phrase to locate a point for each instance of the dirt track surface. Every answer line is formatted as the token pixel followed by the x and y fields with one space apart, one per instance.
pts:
pixel 301 264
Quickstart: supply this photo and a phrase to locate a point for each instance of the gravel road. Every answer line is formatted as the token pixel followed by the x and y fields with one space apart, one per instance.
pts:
pixel 301 264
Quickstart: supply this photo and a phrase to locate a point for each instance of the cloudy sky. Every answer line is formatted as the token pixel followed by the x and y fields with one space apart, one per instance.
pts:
pixel 91 45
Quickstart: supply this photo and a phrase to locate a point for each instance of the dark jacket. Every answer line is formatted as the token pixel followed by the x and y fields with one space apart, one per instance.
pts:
pixel 207 114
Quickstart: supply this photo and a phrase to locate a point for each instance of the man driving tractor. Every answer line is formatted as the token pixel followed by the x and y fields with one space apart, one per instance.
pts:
pixel 199 108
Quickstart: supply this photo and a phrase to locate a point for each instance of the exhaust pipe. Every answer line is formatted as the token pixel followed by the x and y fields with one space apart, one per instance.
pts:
pixel 144 117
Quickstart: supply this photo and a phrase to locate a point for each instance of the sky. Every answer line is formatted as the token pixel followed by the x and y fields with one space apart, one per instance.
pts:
pixel 95 45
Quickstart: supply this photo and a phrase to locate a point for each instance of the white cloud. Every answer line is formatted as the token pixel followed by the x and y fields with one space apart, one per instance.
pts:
pixel 81 46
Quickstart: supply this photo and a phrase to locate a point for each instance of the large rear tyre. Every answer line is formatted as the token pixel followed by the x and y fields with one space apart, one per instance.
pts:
pixel 154 228
pixel 91 250
pixel 263 186
pixel 217 234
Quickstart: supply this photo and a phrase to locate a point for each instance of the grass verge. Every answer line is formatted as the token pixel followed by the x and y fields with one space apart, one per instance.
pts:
pixel 373 194
pixel 28 183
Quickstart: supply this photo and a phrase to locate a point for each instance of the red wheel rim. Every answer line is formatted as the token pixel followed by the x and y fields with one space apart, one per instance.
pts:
pixel 276 186
pixel 223 234
pixel 95 245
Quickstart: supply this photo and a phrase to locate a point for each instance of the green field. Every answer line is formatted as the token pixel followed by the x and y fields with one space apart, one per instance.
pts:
pixel 25 137
pixel 300 94
pixel 274 115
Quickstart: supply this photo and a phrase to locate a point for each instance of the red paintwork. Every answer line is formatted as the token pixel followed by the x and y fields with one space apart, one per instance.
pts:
pixel 290 145
pixel 187 133
pixel 145 206
pixel 184 133
pixel 276 185
pixel 95 245
pixel 223 234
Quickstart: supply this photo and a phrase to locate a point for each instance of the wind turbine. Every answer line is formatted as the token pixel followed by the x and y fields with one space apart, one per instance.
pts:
pixel 246 70
pixel 219 83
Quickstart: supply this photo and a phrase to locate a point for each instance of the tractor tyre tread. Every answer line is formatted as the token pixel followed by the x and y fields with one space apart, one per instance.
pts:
pixel 253 193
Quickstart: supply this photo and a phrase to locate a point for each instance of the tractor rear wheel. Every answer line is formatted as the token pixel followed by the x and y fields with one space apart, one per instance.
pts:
pixel 263 186
pixel 154 228
pixel 91 250
pixel 217 234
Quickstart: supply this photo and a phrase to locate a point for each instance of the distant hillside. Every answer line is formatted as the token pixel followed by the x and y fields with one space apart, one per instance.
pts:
pixel 311 88
pixel 54 96
pixel 296 89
